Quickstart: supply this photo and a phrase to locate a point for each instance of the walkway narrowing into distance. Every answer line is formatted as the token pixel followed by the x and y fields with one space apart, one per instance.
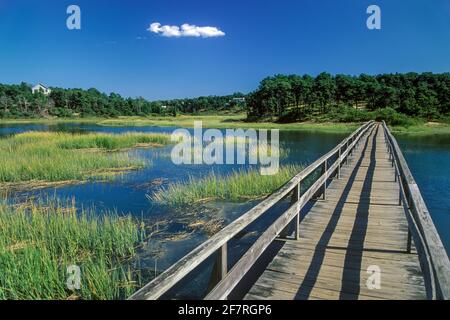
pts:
pixel 368 234
pixel 359 226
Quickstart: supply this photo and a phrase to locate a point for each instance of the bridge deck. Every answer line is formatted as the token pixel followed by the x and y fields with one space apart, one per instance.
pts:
pixel 360 224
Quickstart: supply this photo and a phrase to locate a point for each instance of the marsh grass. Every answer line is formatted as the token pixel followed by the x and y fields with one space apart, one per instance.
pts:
pixel 113 142
pixel 52 156
pixel 38 242
pixel 238 186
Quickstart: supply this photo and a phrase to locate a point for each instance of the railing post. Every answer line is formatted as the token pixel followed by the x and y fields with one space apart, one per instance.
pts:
pixel 297 218
pixel 351 150
pixel 409 242
pixel 346 159
pixel 223 260
pixel 220 267
pixel 339 163
pixel 326 178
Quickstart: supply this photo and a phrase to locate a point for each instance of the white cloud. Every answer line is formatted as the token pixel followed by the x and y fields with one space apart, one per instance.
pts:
pixel 186 30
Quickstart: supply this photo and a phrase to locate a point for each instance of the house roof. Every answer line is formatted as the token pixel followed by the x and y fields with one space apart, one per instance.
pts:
pixel 40 85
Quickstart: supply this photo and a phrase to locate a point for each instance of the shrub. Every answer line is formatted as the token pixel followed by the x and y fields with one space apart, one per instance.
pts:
pixel 394 118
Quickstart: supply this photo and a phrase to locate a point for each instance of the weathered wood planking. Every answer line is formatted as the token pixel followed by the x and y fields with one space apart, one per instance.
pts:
pixel 360 224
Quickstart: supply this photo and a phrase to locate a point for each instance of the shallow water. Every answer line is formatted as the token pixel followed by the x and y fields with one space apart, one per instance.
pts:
pixel 427 157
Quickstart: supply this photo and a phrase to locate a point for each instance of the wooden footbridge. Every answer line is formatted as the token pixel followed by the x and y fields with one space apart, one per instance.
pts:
pixel 366 234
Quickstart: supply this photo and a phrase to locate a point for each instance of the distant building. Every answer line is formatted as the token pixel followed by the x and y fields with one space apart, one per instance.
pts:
pixel 239 100
pixel 41 88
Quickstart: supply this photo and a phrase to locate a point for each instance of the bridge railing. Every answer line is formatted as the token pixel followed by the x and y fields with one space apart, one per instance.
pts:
pixel 432 255
pixel 226 280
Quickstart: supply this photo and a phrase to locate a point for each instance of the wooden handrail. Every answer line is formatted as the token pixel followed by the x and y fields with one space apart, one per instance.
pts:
pixel 169 278
pixel 432 254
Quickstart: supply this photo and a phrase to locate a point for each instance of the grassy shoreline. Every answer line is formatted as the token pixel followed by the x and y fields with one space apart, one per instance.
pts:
pixel 426 129
pixel 187 121
pixel 229 121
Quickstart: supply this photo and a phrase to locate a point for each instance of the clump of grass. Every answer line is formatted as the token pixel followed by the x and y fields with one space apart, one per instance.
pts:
pixel 52 157
pixel 38 243
pixel 237 186
pixel 112 142
pixel 266 151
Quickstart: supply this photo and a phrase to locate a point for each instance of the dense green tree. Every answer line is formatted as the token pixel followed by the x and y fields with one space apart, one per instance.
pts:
pixel 425 95
pixel 325 90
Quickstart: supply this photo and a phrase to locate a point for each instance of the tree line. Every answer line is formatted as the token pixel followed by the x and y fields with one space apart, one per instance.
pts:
pixel 19 101
pixel 295 97
pixel 278 98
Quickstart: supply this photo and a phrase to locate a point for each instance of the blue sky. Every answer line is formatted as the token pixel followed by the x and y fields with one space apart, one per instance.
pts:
pixel 115 52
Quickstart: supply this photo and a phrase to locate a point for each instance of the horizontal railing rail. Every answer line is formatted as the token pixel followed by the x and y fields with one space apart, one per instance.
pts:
pixel 432 254
pixel 217 244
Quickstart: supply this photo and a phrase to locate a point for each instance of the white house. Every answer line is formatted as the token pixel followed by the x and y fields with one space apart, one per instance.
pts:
pixel 41 88
pixel 239 100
